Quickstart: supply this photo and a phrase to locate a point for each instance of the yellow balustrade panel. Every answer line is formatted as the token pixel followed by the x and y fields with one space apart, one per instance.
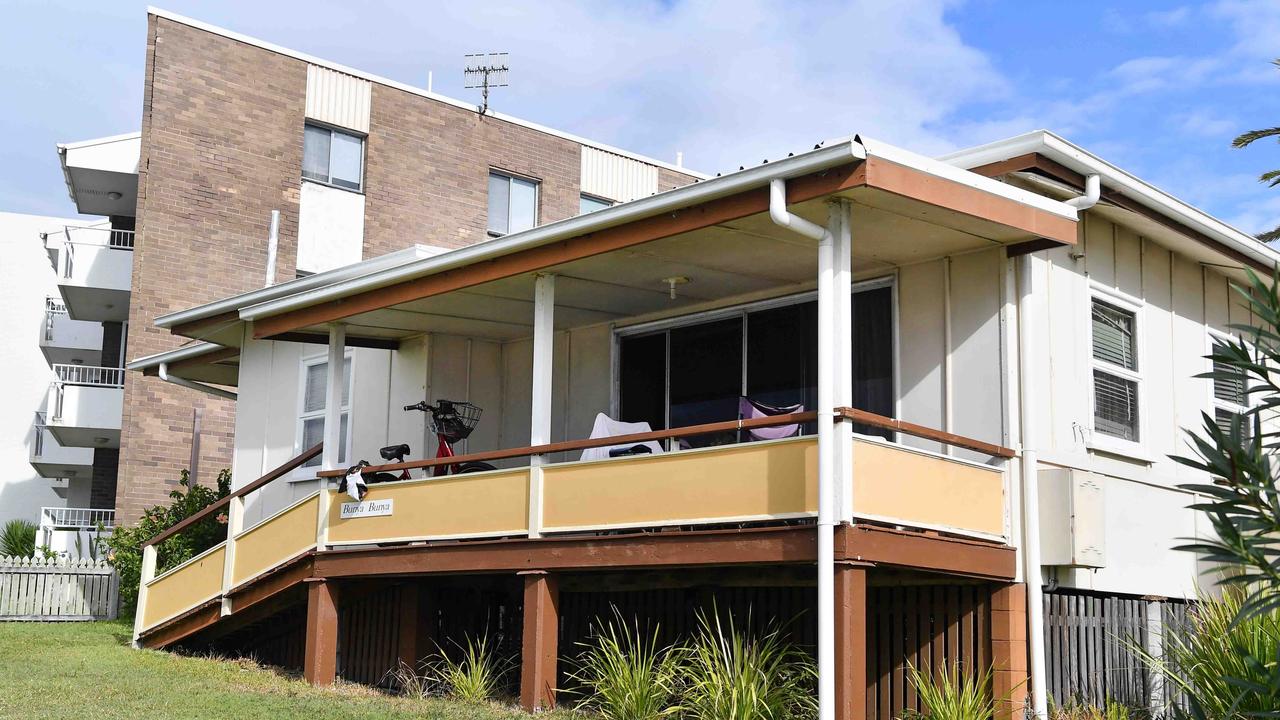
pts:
pixel 752 481
pixel 916 488
pixel 472 505
pixel 185 587
pixel 279 538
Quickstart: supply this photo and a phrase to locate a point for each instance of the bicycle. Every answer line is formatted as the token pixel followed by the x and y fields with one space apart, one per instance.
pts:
pixel 452 421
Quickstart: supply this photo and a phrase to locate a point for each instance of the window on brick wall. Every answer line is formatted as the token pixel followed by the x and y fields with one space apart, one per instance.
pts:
pixel 333 157
pixel 513 203
pixel 315 378
pixel 590 203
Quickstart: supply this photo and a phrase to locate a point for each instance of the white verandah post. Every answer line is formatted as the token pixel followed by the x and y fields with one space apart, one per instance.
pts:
pixel 841 222
pixel 333 441
pixel 544 300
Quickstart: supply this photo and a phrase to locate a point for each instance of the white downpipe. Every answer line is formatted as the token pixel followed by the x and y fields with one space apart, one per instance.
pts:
pixel 826 438
pixel 273 247
pixel 1028 308
pixel 211 390
pixel 1092 191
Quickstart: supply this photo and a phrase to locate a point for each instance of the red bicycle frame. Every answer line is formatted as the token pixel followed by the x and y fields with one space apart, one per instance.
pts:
pixel 444 450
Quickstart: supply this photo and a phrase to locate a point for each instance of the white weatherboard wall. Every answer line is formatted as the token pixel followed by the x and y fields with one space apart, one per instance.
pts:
pixel 29 279
pixel 338 99
pixel 1145 514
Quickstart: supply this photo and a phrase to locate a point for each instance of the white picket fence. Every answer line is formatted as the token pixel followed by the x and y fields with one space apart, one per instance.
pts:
pixel 58 589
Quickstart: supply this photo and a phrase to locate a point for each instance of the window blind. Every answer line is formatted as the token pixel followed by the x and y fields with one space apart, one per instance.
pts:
pixel 1113 339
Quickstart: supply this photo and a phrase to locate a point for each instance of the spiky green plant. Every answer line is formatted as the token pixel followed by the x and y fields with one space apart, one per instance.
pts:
pixel 476 673
pixel 626 674
pixel 953 694
pixel 731 674
pixel 18 539
pixel 1111 710
pixel 1216 661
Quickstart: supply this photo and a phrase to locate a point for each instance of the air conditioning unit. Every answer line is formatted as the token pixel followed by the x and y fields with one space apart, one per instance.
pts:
pixel 1072 518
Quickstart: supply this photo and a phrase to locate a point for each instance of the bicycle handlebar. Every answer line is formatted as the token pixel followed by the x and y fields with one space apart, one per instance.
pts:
pixel 423 406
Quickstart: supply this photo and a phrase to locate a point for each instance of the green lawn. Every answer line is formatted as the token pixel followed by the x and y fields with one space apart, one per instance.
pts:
pixel 89 670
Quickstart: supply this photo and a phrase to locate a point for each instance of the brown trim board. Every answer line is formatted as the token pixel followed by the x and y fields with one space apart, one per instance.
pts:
pixel 873 172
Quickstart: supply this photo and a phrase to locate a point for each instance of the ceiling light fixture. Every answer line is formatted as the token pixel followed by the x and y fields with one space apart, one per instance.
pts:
pixel 114 195
pixel 673 281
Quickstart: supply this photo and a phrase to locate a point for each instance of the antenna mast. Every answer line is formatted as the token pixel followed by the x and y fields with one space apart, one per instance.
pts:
pixel 484 71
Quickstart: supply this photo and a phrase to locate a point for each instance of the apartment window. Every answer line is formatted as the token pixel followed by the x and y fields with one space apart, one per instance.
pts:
pixel 590 204
pixel 1230 391
pixel 333 157
pixel 1116 381
pixel 315 378
pixel 513 203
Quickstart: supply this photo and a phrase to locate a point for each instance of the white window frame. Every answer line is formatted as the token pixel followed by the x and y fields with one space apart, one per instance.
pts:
pixel 302 416
pixel 510 176
pixel 1099 440
pixel 1214 337
pixel 606 202
pixel 364 147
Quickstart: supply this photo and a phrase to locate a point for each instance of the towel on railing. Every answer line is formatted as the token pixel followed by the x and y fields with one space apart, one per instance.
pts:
pixel 353 482
pixel 606 426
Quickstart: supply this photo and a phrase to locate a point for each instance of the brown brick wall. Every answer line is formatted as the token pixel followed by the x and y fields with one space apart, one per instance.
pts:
pixel 427 172
pixel 221 148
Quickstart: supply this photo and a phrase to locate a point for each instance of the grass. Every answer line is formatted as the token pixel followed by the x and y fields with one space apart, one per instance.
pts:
pixel 89 670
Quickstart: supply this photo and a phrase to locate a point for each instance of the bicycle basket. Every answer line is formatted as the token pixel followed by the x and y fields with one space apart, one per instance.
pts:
pixel 455 420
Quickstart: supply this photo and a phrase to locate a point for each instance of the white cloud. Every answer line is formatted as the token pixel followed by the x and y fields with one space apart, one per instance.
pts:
pixel 1205 123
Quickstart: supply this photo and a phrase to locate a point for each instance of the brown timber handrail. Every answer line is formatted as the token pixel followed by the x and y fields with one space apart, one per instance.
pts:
pixel 279 472
pixel 569 445
pixel 920 431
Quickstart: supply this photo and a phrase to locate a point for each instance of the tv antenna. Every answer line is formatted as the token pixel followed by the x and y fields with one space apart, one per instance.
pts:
pixel 484 71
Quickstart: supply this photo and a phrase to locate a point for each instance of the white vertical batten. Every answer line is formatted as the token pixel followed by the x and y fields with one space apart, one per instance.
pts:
pixel 333 396
pixel 827 457
pixel 615 177
pixel 841 217
pixel 338 98
pixel 544 302
pixel 1028 309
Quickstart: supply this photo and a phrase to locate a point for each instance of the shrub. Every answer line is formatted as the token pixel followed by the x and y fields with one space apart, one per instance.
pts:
pixel 625 674
pixel 125 544
pixel 1112 710
pixel 1214 661
pixel 18 539
pixel 731 675
pixel 953 694
pixel 476 675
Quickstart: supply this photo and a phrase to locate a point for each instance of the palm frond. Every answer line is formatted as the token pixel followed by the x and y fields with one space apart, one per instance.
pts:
pixel 1248 138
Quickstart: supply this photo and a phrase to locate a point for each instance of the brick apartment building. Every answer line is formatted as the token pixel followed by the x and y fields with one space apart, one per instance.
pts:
pixel 358 166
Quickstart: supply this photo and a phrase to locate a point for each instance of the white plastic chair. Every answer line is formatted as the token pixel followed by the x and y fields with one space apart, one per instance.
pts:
pixel 606 426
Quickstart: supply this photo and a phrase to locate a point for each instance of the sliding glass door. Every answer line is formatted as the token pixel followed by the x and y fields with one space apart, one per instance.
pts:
pixel 695 372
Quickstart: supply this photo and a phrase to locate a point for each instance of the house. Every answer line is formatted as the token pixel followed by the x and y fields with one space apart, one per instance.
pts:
pixel 237 131
pixel 980 366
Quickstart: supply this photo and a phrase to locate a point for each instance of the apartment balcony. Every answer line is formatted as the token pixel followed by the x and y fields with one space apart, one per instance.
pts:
pixel 95 271
pixel 74 532
pixel 55 461
pixel 69 342
pixel 85 405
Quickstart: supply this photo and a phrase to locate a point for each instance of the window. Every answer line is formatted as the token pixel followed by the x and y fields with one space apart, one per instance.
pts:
pixel 1230 396
pixel 589 204
pixel 332 156
pixel 315 377
pixel 513 203
pixel 1115 369
pixel 694 372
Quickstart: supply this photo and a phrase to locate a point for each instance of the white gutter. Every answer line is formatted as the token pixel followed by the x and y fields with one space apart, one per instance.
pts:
pixel 185 352
pixel 826 438
pixel 669 201
pixel 1077 159
pixel 209 389
pixel 367 267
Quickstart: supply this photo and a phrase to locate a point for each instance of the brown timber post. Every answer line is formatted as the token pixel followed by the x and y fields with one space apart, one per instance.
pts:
pixel 320 663
pixel 541 634
pixel 1009 649
pixel 851 639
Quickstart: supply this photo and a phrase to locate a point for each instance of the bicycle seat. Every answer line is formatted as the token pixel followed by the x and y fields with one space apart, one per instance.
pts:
pixel 394 452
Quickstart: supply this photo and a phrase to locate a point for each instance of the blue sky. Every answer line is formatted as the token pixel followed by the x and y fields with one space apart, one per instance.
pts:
pixel 1159 88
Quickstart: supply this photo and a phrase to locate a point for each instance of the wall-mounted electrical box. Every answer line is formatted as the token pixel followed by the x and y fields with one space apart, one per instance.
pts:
pixel 1072 518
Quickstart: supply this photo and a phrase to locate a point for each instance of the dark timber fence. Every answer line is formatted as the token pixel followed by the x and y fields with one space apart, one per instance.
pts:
pixel 1091 648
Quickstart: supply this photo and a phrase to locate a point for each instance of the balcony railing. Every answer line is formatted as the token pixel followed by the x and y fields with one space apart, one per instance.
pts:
pixel 90 375
pixel 91 236
pixel 53 307
pixel 37 446
pixel 64 518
